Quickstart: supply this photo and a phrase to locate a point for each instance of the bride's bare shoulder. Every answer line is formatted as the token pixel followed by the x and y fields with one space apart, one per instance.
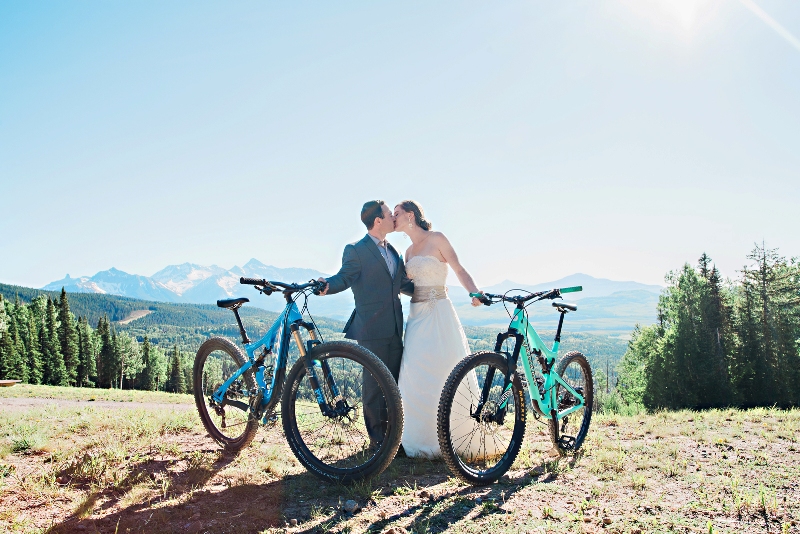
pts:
pixel 437 236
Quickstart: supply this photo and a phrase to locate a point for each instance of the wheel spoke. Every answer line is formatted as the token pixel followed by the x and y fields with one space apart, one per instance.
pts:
pixel 339 441
pixel 231 426
pixel 479 444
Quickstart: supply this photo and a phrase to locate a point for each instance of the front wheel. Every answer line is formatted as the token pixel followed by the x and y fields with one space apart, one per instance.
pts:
pixel 480 440
pixel 229 422
pixel 569 432
pixel 360 434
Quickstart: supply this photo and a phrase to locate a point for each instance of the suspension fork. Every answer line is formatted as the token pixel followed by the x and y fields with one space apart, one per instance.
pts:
pixel 512 369
pixel 313 365
pixel 508 379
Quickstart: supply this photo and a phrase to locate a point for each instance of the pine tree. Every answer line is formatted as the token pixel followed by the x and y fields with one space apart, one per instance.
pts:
pixel 175 381
pixel 188 381
pixel 35 315
pixel 68 338
pixel 105 354
pixel 16 368
pixel 54 371
pixel 147 381
pixel 6 342
pixel 770 321
pixel 3 316
pixel 86 357
pixel 114 364
pixel 22 318
pixel 717 334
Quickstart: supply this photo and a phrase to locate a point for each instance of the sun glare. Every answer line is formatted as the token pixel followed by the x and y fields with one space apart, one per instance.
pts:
pixel 685 11
pixel 685 14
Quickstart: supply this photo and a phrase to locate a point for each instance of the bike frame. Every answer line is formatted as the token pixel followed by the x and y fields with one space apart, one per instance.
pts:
pixel 525 336
pixel 276 341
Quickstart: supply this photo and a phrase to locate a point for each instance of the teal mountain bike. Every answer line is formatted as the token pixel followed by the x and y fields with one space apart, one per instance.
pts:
pixel 322 398
pixel 482 409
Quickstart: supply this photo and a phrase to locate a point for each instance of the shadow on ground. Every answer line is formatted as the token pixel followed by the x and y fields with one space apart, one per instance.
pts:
pixel 435 501
pixel 242 508
pixel 192 503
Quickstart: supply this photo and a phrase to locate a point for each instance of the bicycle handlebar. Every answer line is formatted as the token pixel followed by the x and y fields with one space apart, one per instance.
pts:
pixel 270 286
pixel 253 281
pixel 489 298
pixel 571 289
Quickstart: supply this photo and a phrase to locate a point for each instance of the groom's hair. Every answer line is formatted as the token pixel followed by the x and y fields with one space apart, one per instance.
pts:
pixel 371 209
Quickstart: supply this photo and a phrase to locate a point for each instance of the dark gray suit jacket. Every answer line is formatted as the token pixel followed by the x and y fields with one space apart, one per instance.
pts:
pixel 378 312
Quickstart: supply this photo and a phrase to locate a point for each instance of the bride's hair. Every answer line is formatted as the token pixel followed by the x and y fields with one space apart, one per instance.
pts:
pixel 411 206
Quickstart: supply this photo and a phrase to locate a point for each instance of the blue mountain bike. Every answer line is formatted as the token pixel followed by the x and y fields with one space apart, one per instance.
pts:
pixel 481 418
pixel 322 398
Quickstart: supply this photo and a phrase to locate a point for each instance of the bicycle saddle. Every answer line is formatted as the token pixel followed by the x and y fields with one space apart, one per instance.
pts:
pixel 232 303
pixel 565 306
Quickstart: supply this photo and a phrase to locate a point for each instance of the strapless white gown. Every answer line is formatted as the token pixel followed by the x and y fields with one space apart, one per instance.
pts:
pixel 434 343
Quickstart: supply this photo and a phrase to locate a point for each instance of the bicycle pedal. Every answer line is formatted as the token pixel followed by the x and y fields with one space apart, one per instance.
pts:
pixel 567 442
pixel 270 419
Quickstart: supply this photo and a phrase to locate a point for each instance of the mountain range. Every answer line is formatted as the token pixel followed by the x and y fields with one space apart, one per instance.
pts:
pixel 201 284
pixel 605 305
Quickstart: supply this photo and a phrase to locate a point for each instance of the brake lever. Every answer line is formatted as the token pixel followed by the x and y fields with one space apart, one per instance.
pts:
pixel 318 287
pixel 264 290
pixel 482 298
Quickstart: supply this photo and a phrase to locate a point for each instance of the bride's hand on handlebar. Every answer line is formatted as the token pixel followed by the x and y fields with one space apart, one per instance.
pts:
pixel 476 301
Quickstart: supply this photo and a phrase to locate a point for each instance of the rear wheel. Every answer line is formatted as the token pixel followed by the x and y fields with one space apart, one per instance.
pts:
pixel 338 446
pixel 228 422
pixel 480 446
pixel 569 432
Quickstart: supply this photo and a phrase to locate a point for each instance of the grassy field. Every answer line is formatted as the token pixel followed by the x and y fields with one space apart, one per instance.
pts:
pixel 144 464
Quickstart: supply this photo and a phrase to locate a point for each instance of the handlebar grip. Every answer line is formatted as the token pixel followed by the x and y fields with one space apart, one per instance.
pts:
pixel 481 297
pixel 319 286
pixel 573 289
pixel 253 281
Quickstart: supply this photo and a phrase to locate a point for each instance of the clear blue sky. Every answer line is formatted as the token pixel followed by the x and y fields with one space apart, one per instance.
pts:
pixel 614 138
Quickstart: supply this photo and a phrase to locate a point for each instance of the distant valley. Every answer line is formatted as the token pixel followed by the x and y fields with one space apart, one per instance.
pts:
pixel 604 305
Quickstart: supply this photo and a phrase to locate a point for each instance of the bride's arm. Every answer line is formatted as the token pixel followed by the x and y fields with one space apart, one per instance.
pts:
pixel 450 256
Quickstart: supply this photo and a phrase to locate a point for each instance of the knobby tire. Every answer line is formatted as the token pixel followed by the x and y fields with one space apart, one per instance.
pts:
pixel 251 427
pixel 384 454
pixel 583 429
pixel 449 455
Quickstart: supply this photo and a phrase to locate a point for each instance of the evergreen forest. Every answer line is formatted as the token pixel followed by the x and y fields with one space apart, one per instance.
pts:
pixel 720 343
pixel 42 342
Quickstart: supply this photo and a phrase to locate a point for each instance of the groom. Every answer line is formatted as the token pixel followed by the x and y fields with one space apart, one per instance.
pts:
pixel 375 272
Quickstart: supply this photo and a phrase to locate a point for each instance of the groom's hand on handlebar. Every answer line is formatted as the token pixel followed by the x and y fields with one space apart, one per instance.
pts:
pixel 324 290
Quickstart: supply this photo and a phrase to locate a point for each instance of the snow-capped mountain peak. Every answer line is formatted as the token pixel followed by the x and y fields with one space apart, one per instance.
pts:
pixel 181 278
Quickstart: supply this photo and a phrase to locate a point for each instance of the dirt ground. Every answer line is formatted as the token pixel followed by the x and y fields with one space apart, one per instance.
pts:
pixel 87 467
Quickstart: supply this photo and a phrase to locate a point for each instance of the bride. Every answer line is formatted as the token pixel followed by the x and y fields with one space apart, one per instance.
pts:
pixel 434 340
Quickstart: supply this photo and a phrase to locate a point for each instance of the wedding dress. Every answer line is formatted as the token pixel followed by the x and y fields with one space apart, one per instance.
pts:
pixel 434 343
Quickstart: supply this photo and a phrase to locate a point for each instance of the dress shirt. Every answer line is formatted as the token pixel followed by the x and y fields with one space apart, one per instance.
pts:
pixel 391 263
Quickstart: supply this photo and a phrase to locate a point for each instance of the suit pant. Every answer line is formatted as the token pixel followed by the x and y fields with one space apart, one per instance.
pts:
pixel 390 351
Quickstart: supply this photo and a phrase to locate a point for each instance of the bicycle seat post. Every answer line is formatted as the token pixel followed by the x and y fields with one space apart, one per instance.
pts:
pixel 560 324
pixel 235 310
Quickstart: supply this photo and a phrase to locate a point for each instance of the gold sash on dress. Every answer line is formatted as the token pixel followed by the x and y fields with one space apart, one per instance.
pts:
pixel 429 293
